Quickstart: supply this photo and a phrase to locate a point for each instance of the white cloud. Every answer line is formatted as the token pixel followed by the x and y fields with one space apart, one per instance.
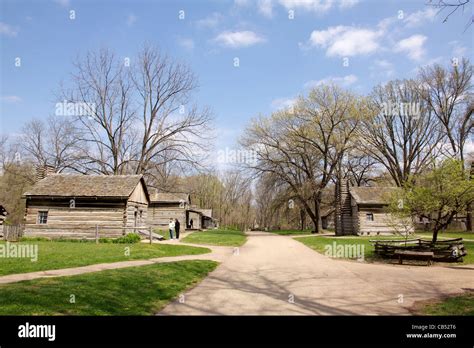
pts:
pixel 347 3
pixel 418 18
pixel 342 81
pixel 283 103
pixel 241 3
pixel 210 21
pixel 412 46
pixel 8 30
pixel 265 7
pixel 186 43
pixel 63 3
pixel 131 19
pixel 11 99
pixel 459 50
pixel 382 67
pixel 236 39
pixel 317 6
pixel 346 41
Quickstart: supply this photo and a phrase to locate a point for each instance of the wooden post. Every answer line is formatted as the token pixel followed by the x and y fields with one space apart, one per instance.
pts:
pixel 150 236
pixel 96 234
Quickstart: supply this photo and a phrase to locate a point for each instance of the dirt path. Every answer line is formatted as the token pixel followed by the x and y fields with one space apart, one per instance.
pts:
pixel 276 275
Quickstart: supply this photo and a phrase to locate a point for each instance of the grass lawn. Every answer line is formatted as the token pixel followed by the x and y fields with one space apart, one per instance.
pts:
pixel 446 234
pixel 217 237
pixel 319 243
pixel 291 232
pixel 56 255
pixel 455 305
pixel 128 291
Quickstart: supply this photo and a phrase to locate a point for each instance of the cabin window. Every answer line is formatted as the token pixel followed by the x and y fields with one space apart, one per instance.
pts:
pixel 369 217
pixel 42 217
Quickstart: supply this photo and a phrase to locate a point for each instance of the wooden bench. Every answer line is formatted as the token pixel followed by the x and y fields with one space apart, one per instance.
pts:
pixel 414 255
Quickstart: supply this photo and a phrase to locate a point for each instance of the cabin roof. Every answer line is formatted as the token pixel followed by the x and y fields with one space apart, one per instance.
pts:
pixel 201 211
pixel 66 185
pixel 168 197
pixel 206 212
pixel 372 195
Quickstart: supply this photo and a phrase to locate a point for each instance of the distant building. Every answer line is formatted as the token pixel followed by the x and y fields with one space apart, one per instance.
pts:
pixel 71 206
pixel 164 206
pixel 363 211
pixel 200 218
pixel 3 216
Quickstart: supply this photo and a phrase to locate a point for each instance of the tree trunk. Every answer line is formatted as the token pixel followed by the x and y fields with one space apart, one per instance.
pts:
pixel 435 233
pixel 302 219
pixel 317 214
pixel 469 218
pixel 469 206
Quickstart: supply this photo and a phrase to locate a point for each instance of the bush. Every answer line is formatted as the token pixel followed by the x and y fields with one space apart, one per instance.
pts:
pixel 130 238
pixel 73 240
pixel 35 239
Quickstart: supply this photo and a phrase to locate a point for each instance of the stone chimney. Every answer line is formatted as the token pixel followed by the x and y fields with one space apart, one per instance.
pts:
pixel 42 171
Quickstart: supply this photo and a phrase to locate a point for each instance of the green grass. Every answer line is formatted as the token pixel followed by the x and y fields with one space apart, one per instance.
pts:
pixel 164 233
pixel 319 243
pixel 291 232
pixel 56 255
pixel 455 305
pixel 140 290
pixel 446 234
pixel 217 237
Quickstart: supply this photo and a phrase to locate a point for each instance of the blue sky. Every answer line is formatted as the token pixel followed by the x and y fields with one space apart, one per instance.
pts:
pixel 279 57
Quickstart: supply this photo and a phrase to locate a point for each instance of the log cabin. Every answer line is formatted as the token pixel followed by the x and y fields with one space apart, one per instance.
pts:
pixel 3 216
pixel 201 218
pixel 207 221
pixel 73 206
pixel 164 206
pixel 363 211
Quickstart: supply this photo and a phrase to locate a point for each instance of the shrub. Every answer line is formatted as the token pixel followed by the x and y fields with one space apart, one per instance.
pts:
pixel 35 239
pixel 130 238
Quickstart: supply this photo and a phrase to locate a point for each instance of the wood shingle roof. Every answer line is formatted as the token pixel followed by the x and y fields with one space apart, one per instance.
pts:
pixel 65 185
pixel 372 195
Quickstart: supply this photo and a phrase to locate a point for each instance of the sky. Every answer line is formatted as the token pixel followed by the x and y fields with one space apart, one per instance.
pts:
pixel 283 48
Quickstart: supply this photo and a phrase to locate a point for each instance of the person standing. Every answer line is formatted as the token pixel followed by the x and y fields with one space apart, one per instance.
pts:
pixel 191 223
pixel 171 227
pixel 177 225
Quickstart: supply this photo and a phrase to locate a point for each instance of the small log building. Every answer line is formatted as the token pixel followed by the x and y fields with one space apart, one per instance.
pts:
pixel 71 206
pixel 164 206
pixel 363 211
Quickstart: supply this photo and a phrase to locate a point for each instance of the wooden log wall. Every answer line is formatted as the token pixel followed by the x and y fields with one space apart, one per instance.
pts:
pixel 159 215
pixel 75 222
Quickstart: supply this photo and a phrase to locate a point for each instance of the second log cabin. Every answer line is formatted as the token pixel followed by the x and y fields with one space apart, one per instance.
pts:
pixel 74 206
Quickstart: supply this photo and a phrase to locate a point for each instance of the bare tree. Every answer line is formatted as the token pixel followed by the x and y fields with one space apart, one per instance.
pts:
pixel 142 116
pixel 52 142
pixel 100 82
pixel 359 167
pixel 448 93
pixel 173 130
pixel 403 133
pixel 451 7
